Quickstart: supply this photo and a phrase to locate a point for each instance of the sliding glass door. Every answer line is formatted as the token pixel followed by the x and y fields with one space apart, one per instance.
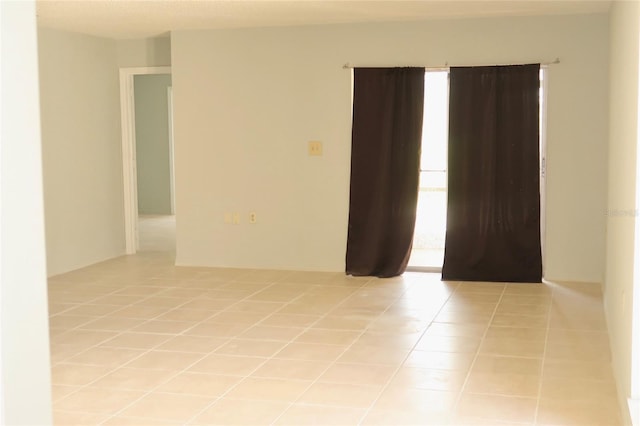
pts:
pixel 431 217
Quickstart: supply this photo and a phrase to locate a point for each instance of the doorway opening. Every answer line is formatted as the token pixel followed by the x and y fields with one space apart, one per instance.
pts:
pixel 147 156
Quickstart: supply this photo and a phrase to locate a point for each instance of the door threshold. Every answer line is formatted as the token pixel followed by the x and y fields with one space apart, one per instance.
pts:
pixel 429 269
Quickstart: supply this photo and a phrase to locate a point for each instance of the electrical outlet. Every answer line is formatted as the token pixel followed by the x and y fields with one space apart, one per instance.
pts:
pixel 236 218
pixel 253 218
pixel 315 148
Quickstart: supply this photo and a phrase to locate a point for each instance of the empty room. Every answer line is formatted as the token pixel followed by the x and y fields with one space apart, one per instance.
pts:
pixel 214 212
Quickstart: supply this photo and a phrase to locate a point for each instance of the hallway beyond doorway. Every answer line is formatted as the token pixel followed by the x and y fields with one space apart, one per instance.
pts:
pixel 157 233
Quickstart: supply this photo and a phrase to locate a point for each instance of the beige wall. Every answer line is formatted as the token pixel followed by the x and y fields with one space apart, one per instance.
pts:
pixel 247 101
pixel 25 385
pixel 82 162
pixel 622 217
pixel 147 52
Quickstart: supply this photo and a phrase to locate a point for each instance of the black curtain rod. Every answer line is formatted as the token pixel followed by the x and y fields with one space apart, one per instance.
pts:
pixel 447 66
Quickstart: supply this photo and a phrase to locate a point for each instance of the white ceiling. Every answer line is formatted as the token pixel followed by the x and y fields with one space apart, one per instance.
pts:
pixel 122 19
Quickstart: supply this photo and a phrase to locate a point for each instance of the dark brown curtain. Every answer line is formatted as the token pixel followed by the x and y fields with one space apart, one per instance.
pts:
pixel 493 216
pixel 385 169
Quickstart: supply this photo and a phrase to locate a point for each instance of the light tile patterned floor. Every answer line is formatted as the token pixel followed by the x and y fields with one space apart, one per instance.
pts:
pixel 137 341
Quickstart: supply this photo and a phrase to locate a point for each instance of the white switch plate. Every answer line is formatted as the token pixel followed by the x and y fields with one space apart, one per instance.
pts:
pixel 315 148
pixel 236 218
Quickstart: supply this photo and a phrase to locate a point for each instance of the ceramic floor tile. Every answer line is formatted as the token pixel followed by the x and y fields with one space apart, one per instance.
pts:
pixel 343 322
pixel 138 312
pixel 480 287
pixel 470 297
pixel 497 407
pixel 458 420
pixel 77 374
pixel 112 324
pixel 139 341
pixel 328 337
pixel 525 333
pixel 193 344
pixel 164 327
pixel 134 379
pixel 508 384
pixel 162 302
pixel 416 400
pixel 139 421
pixel 405 417
pixel 562 412
pixel 60 391
pixel 440 360
pixel 379 339
pixel 444 329
pixel 448 344
pixel 358 374
pixel 291 369
pixel 575 369
pixel 580 345
pixel 576 389
pixel 106 356
pixel 507 365
pixel 256 306
pixel 238 317
pixel 185 314
pixel 165 360
pixel 461 307
pixel 94 400
pixel 84 337
pixel 140 290
pixel 210 385
pixel 429 379
pixel 228 411
pixel 76 418
pixel 220 330
pixel 464 318
pixel 534 289
pixel 370 354
pixel 515 347
pixel 519 320
pixel 340 394
pixel 301 414
pixel 519 309
pixel 226 364
pixel 311 352
pixel 286 320
pixel 246 347
pixel 512 298
pixel 168 406
pixel 268 389
pixel 69 321
pixel 264 332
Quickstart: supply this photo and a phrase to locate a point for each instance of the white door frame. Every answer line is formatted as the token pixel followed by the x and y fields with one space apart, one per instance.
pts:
pixel 172 173
pixel 129 177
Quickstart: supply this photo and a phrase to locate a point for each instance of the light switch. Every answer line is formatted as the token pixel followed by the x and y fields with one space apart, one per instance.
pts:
pixel 315 148
pixel 236 218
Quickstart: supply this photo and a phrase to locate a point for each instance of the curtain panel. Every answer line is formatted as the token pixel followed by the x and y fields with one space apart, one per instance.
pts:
pixel 493 212
pixel 385 169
